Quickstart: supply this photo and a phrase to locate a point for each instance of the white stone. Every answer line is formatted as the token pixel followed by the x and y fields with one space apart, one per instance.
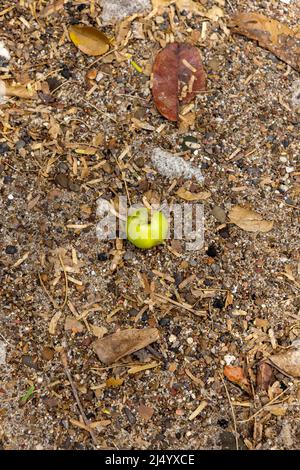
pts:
pixel 116 10
pixel 172 166
pixel 2 353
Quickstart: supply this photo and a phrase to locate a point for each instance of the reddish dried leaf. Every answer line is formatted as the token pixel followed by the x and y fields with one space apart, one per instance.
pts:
pixel 271 34
pixel 178 75
pixel 146 412
pixel 236 375
pixel 264 376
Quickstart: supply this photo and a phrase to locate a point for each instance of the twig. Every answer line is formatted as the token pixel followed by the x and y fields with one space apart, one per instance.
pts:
pixel 64 361
pixel 233 415
pixel 47 293
pixel 162 298
pixel 263 407
pixel 66 282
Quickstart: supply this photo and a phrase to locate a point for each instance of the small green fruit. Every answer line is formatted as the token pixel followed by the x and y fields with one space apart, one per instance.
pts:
pixel 145 229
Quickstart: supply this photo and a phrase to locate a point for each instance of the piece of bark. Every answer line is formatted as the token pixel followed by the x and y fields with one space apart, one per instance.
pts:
pixel 264 376
pixel 271 34
pixel 111 348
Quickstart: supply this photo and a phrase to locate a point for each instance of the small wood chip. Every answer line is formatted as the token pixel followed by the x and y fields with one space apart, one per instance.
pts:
pixel 198 410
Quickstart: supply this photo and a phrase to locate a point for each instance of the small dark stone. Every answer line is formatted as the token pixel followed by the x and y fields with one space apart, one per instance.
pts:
pixel 139 162
pixel 3 61
pixel 224 232
pixel 29 362
pixel 223 423
pixel 178 278
pixel 74 187
pixel 129 415
pixel 66 73
pixel 81 7
pixel 285 143
pixel 74 21
pixel 53 83
pixel 228 442
pixel 7 179
pixel 102 256
pixel 212 251
pixel 164 321
pixel 208 282
pixel 62 180
pixel 219 303
pixel 145 317
pixel 3 148
pixel 11 250
pixel 133 312
pixel 20 144
pixel 177 330
pixel 178 435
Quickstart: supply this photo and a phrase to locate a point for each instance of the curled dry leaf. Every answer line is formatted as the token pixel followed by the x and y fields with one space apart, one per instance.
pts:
pixel 188 196
pixel 264 376
pixel 19 91
pixel 114 382
pixel 236 375
pixel 188 5
pixel 178 75
pixel 53 7
pixel 89 40
pixel 249 220
pixel 111 348
pixel 271 34
pixel 287 362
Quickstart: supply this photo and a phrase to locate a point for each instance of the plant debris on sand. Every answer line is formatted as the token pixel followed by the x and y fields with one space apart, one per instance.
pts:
pixel 79 127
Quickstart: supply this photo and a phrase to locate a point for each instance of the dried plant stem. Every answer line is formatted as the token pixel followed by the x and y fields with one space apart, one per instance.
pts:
pixel 233 415
pixel 82 413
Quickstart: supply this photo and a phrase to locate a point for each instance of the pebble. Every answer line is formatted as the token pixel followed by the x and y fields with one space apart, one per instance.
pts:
pixel 3 148
pixel 62 180
pixel 20 144
pixel 172 338
pixel 164 321
pixel 289 169
pixel 2 353
pixel 190 340
pixel 219 214
pixel 129 415
pixel 11 250
pixel 10 197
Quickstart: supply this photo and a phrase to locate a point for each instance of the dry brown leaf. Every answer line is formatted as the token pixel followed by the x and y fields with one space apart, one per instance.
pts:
pixel 249 220
pixel 146 412
pixel 187 5
pixel 264 376
pixel 54 129
pixel 19 91
pixel 178 76
pixel 276 410
pixel 114 382
pixel 188 196
pixel 271 34
pixel 287 362
pixel 98 331
pixel 236 375
pixel 71 324
pixel 89 40
pixel 52 8
pixel 136 369
pixel 53 322
pixel 111 348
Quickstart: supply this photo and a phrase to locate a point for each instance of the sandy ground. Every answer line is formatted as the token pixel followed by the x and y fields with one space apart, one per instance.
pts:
pixel 47 186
